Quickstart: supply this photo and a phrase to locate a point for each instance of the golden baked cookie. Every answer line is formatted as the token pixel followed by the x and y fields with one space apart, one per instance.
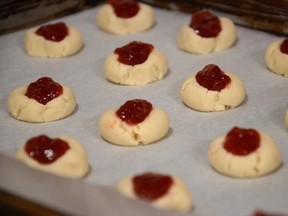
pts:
pixel 125 17
pixel 41 101
pixel 62 156
pixel 136 122
pixel 135 63
pixel 207 33
pixel 162 191
pixel 244 153
pixel 55 40
pixel 276 57
pixel 212 90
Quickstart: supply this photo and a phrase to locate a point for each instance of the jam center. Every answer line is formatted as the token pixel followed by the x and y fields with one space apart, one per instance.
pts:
pixel 134 111
pixel 45 150
pixel 205 24
pixel 151 186
pixel 53 32
pixel 262 213
pixel 125 8
pixel 212 78
pixel 134 53
pixel 241 141
pixel 44 90
pixel 284 46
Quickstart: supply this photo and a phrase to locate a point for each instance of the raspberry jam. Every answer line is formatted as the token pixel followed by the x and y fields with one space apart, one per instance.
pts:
pixel 284 46
pixel 44 149
pixel 44 90
pixel 53 32
pixel 205 24
pixel 134 111
pixel 134 53
pixel 212 78
pixel 241 141
pixel 125 8
pixel 151 186
pixel 261 213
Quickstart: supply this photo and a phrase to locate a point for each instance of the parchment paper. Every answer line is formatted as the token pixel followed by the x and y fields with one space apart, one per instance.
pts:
pixel 182 153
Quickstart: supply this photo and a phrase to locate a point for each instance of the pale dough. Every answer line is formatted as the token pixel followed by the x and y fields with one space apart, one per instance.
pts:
pixel 25 109
pixel 116 131
pixel 200 98
pixel 108 21
pixel 38 46
pixel 178 197
pixel 275 60
pixel 264 160
pixel 190 41
pixel 73 164
pixel 153 69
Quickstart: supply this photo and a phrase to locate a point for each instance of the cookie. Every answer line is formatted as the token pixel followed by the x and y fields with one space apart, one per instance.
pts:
pixel 244 153
pixel 135 63
pixel 212 90
pixel 53 41
pixel 207 33
pixel 41 101
pixel 62 156
pixel 136 122
pixel 125 17
pixel 162 191
pixel 276 57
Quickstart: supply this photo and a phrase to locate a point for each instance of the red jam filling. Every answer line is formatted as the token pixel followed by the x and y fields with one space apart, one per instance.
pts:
pixel 125 8
pixel 261 213
pixel 284 46
pixel 212 78
pixel 134 53
pixel 44 149
pixel 134 111
pixel 53 32
pixel 44 90
pixel 151 186
pixel 205 24
pixel 241 141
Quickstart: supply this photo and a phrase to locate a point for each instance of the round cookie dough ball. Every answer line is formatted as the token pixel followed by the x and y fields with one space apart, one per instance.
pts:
pixel 125 17
pixel 276 57
pixel 41 101
pixel 62 156
pixel 212 90
pixel 135 63
pixel 136 122
pixel 207 33
pixel 244 153
pixel 162 191
pixel 53 41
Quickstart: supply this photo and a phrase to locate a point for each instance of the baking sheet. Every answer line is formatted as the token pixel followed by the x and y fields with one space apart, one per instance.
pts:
pixel 184 151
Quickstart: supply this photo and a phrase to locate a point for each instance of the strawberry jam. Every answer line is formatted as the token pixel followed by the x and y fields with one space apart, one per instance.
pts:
pixel 134 111
pixel 53 32
pixel 151 186
pixel 44 90
pixel 261 213
pixel 205 24
pixel 241 141
pixel 284 46
pixel 125 8
pixel 134 53
pixel 212 78
pixel 44 149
